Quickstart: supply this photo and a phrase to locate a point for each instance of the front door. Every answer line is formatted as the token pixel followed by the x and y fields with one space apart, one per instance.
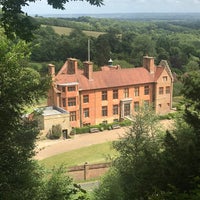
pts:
pixel 127 110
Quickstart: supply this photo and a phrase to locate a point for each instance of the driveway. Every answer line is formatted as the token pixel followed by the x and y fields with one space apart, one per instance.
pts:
pixel 48 148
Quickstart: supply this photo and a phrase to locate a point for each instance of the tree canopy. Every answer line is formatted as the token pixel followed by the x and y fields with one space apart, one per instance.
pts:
pixel 15 21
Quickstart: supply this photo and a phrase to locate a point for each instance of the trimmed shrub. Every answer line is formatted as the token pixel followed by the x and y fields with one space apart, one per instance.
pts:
pixel 167 116
pixel 125 123
pixel 55 132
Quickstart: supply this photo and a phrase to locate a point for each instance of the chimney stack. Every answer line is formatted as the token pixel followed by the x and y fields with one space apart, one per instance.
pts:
pixel 52 71
pixel 88 69
pixel 72 66
pixel 148 63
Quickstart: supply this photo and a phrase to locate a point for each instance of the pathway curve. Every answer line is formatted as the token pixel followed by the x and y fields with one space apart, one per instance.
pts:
pixel 48 148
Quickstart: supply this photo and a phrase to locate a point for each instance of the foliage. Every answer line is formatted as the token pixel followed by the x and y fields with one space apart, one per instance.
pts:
pixel 20 86
pixel 107 189
pixel 168 116
pixel 138 160
pixel 14 21
pixel 20 176
pixel 55 132
pixel 191 83
pixel 177 89
pixel 101 127
pixel 60 187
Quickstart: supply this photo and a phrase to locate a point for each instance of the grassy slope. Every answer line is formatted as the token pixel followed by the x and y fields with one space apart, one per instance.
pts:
pixel 67 31
pixel 92 154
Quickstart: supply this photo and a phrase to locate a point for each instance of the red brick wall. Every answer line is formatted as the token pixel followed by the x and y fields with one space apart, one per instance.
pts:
pixel 163 102
pixel 88 171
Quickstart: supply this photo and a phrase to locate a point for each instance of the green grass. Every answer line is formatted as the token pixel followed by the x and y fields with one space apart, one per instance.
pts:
pixel 92 154
pixel 66 31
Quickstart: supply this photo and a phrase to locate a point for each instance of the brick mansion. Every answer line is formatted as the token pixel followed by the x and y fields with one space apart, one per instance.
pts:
pixel 94 97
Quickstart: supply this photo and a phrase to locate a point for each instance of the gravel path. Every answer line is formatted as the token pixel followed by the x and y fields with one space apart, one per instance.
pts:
pixel 48 148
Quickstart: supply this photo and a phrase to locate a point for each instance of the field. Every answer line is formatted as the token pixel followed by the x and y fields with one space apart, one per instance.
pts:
pixel 67 31
pixel 92 154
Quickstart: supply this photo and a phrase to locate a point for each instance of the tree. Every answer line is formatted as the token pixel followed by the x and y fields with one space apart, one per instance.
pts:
pixel 45 45
pixel 15 21
pixel 136 169
pixel 59 186
pixel 143 45
pixel 19 86
pixel 191 90
pixel 103 48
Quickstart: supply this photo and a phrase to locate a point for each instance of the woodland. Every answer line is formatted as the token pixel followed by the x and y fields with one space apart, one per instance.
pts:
pixel 125 41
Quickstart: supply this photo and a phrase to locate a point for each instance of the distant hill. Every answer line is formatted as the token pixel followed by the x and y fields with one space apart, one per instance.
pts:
pixel 133 16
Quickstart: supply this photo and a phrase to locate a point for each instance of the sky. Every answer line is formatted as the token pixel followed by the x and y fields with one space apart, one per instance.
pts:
pixel 115 6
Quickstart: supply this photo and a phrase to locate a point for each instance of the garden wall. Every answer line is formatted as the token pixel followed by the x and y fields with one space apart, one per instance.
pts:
pixel 88 171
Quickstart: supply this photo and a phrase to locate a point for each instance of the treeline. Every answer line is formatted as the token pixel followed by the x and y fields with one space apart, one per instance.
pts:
pixel 125 42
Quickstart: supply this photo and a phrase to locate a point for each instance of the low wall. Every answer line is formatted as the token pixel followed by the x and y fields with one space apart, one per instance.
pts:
pixel 88 171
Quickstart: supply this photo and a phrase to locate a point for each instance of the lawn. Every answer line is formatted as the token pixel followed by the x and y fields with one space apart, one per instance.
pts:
pixel 92 154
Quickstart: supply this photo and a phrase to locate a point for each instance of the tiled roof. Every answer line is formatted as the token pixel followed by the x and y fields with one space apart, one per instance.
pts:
pixel 107 79
pixel 158 72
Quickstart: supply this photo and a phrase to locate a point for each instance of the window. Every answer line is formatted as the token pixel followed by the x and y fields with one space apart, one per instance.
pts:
pixel 64 102
pixel 86 112
pixel 115 94
pixel 104 95
pixel 71 88
pixel 104 110
pixel 167 90
pixel 72 116
pixel 136 91
pixel 161 91
pixel 115 109
pixel 146 104
pixel 72 101
pixel 160 105
pixel 63 89
pixel 146 90
pixel 136 106
pixel 85 98
pixel 126 93
pixel 164 78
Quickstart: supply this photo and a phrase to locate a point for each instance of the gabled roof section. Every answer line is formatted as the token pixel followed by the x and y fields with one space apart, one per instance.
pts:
pixel 163 66
pixel 164 63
